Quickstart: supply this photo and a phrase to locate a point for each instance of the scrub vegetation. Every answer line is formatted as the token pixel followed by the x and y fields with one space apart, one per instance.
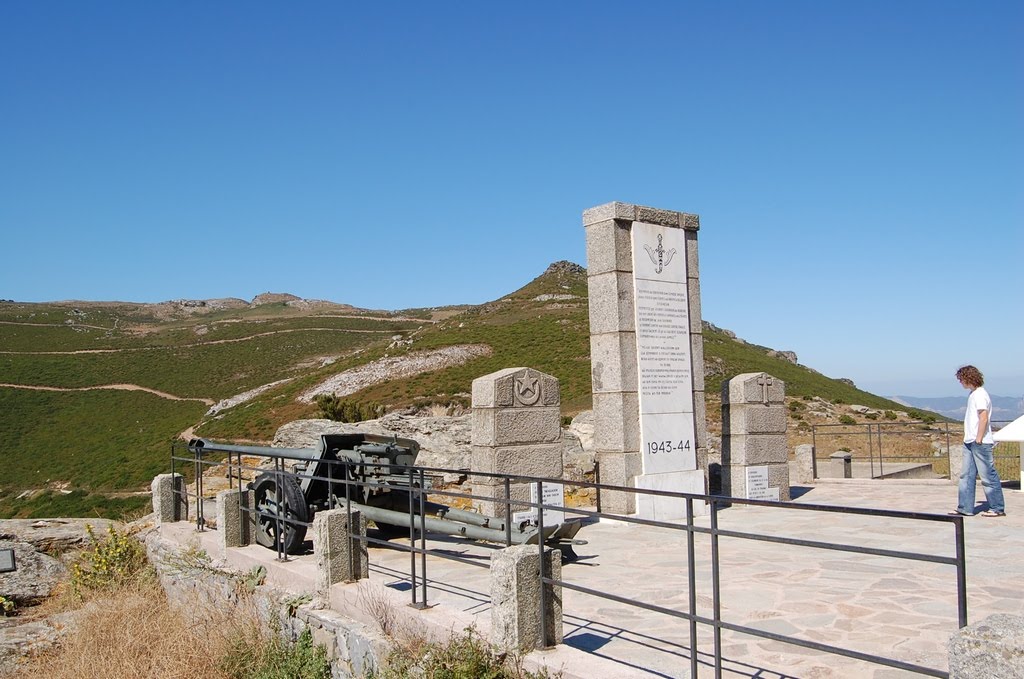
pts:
pixel 80 446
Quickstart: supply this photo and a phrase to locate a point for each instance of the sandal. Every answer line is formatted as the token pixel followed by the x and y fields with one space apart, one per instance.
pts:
pixel 992 512
pixel 956 512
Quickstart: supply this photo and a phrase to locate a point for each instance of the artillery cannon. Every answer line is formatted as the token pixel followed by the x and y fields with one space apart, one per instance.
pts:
pixel 372 472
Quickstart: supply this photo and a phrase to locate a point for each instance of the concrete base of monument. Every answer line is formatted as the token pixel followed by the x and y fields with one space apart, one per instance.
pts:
pixel 659 508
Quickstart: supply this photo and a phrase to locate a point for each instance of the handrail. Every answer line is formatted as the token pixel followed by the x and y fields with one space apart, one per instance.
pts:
pixel 418 571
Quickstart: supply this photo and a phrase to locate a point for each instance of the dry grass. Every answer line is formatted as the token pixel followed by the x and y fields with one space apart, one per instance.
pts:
pixel 133 632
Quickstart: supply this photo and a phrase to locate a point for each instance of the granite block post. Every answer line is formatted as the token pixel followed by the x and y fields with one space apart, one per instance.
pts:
pixel 956 461
pixel 169 501
pixel 803 466
pixel 755 458
pixel 516 430
pixel 647 356
pixel 340 557
pixel 840 465
pixel 236 518
pixel 515 589
pixel 993 648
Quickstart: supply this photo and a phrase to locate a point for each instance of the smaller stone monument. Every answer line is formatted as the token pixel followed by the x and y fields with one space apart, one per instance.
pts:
pixel 517 429
pixel 755 459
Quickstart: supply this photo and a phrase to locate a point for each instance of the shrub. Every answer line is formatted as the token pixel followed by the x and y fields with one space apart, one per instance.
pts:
pixel 338 409
pixel 871 416
pixel 464 657
pixel 107 563
pixel 7 606
pixel 251 656
pixel 846 419
pixel 890 415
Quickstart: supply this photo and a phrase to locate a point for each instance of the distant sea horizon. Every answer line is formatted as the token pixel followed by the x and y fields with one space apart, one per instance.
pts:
pixel 1004 408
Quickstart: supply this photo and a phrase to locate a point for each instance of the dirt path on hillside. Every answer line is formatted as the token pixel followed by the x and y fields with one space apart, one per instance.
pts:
pixel 183 346
pixel 118 387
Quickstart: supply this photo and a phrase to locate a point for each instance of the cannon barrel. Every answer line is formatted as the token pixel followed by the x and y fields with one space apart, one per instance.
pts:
pixel 206 446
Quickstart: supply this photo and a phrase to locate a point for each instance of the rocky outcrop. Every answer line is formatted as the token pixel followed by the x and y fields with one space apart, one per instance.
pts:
pixel 41 548
pixel 35 576
pixel 273 298
pixel 445 442
pixel 52 536
pixel 395 367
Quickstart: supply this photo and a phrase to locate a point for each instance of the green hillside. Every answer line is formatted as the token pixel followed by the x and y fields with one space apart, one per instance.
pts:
pixel 74 442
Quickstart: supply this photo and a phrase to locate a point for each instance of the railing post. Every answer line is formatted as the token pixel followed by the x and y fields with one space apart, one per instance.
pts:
pixel 508 512
pixel 814 451
pixel 423 534
pixel 881 463
pixel 961 571
pixel 716 589
pixel 197 470
pixel 412 543
pixel 691 562
pixel 871 452
pixel 543 585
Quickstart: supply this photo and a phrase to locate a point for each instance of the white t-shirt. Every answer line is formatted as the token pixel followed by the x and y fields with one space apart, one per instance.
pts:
pixel 978 400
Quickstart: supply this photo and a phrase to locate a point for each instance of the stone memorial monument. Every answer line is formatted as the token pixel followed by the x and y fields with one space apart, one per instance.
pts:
pixel 517 429
pixel 647 355
pixel 755 459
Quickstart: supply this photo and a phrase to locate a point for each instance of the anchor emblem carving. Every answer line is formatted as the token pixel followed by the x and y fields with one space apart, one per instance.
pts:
pixel 660 257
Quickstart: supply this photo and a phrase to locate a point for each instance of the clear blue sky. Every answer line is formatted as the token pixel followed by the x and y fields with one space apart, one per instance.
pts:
pixel 857 166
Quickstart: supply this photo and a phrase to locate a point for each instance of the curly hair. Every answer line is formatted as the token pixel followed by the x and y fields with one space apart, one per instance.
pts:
pixel 970 376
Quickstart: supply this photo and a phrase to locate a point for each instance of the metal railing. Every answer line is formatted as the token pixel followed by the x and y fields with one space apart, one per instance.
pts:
pixel 419 490
pixel 888 444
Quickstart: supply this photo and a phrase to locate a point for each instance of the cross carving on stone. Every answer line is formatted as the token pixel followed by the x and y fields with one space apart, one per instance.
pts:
pixel 764 381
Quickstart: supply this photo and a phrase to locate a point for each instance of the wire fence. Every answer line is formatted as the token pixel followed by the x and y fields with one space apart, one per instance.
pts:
pixel 905 449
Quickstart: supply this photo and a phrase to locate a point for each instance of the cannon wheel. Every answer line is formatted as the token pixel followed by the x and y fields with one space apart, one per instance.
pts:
pixel 265 492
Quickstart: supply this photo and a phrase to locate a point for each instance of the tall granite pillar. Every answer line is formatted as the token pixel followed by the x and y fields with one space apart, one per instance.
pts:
pixel 755 458
pixel 517 430
pixel 647 355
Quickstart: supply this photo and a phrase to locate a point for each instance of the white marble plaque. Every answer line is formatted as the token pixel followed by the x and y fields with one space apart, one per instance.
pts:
pixel 757 485
pixel 554 496
pixel 664 366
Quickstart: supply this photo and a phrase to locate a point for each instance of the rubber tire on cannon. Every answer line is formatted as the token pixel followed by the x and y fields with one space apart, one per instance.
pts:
pixel 293 527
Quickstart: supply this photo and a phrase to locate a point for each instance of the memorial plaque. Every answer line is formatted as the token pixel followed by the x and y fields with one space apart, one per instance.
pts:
pixel 7 564
pixel 554 496
pixel 757 485
pixel 664 366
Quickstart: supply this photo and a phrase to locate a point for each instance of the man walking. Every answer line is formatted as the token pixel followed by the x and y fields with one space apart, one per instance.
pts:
pixel 978 444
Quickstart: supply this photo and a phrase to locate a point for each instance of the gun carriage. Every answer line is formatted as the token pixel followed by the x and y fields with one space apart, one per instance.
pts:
pixel 372 472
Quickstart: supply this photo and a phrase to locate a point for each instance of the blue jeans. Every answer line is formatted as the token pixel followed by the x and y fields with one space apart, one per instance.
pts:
pixel 978 461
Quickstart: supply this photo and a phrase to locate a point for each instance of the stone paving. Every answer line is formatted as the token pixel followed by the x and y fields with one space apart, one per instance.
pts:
pixel 870 604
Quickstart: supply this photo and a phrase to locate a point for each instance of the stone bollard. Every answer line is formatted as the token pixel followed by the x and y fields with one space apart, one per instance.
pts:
pixel 339 557
pixel 236 518
pixel 169 501
pixel 755 458
pixel 804 466
pixel 841 465
pixel 993 647
pixel 956 461
pixel 515 598
pixel 517 429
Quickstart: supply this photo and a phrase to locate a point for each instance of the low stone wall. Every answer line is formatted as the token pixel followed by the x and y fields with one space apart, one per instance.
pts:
pixel 353 648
